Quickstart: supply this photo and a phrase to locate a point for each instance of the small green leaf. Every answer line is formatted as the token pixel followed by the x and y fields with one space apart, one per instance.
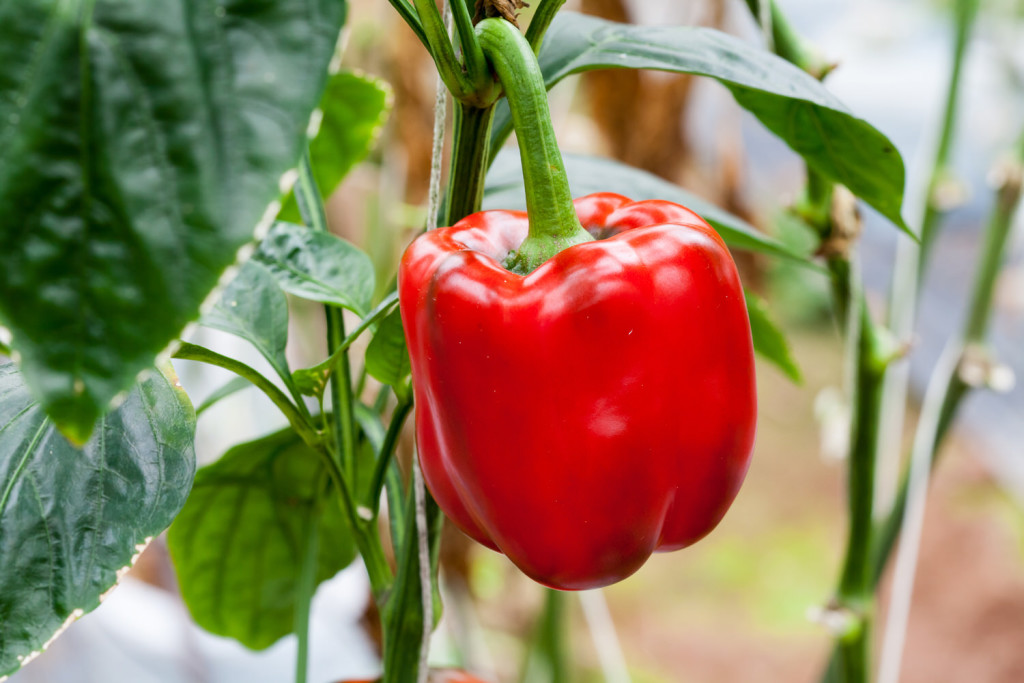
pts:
pixel 72 519
pixel 237 545
pixel 318 266
pixel 254 308
pixel 587 175
pixel 387 357
pixel 355 107
pixel 769 342
pixel 312 381
pixel 789 102
pixel 142 144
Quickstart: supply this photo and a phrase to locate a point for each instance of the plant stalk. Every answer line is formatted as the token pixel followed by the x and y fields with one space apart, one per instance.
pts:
pixel 342 417
pixel 867 357
pixel 305 589
pixel 979 313
pixel 341 451
pixel 469 163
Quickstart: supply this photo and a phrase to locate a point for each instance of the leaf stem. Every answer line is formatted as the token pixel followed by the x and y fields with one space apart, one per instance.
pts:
pixel 408 13
pixel 542 19
pixel 299 423
pixel 327 367
pixel 439 45
pixel 788 44
pixel 387 452
pixel 477 71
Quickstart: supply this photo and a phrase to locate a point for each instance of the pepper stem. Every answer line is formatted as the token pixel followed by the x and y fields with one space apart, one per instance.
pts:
pixel 554 225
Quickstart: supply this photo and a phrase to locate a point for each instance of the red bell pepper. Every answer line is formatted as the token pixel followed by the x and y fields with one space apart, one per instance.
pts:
pixel 597 406
pixel 594 411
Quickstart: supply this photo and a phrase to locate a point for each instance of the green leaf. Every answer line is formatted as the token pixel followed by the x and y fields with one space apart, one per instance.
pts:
pixel 769 342
pixel 789 102
pixel 318 266
pixel 72 519
pixel 254 308
pixel 593 174
pixel 355 107
pixel 142 143
pixel 387 357
pixel 237 545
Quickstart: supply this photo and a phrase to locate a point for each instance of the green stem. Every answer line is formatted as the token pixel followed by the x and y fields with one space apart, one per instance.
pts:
pixel 548 658
pixel 409 15
pixel 302 427
pixel 342 417
pixel 328 366
pixel 788 44
pixel 387 452
pixel 966 11
pixel 816 206
pixel 855 591
pixel 554 225
pixel 366 537
pixel 404 616
pixel 993 252
pixel 440 48
pixel 911 260
pixel 851 659
pixel 343 424
pixel 542 19
pixel 395 492
pixel 304 590
pixel 975 330
pixel 477 72
pixel 855 584
pixel 469 163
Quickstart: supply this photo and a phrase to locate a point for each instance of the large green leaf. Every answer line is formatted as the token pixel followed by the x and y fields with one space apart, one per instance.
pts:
pixel 71 520
pixel 254 308
pixel 237 545
pixel 355 107
pixel 769 341
pixel 318 266
pixel 789 102
pixel 142 143
pixel 587 175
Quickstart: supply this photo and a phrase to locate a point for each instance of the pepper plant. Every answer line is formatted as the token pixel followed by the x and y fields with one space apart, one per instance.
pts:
pixel 166 165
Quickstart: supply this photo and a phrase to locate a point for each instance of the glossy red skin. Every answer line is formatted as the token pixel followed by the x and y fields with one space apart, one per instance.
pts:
pixel 594 411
